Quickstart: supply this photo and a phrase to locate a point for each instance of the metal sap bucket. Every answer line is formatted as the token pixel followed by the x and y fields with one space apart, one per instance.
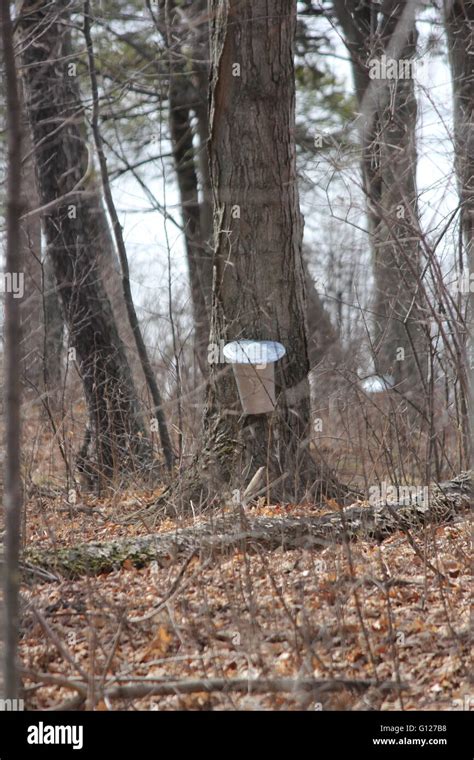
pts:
pixel 253 362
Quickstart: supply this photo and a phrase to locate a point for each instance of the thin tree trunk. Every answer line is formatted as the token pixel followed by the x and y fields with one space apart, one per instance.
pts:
pixel 63 169
pixel 127 292
pixel 201 63
pixel 110 270
pixel 459 21
pixel 200 275
pixel 32 306
pixel 188 93
pixel 53 332
pixel 323 338
pixel 12 492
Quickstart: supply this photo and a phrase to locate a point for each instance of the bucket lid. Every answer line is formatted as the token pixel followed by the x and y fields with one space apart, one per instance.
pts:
pixel 253 351
pixel 378 383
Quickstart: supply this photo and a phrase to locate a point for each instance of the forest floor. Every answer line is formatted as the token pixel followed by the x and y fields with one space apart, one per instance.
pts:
pixel 367 611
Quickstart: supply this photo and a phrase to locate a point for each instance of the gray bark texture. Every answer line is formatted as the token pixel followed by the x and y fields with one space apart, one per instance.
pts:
pixel 198 256
pixel 73 233
pixel 188 96
pixel 459 22
pixel 389 160
pixel 12 485
pixel 258 290
pixel 32 303
pixel 188 72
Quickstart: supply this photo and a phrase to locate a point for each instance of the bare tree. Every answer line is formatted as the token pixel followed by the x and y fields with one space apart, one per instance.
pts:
pixel 12 487
pixel 70 207
pixel 42 321
pixel 32 302
pixel 185 31
pixel 39 299
pixel 384 35
pixel 184 97
pixel 459 22
pixel 117 229
pixel 258 272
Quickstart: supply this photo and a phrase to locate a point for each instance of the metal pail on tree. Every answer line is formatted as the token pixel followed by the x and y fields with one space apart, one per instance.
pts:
pixel 253 362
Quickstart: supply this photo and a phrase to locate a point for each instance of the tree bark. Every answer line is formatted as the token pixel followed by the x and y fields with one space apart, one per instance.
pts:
pixel 127 291
pixel 258 288
pixel 32 302
pixel 188 76
pixel 446 502
pixel 388 134
pixel 64 166
pixel 12 490
pixel 35 367
pixel 200 272
pixel 323 339
pixel 459 23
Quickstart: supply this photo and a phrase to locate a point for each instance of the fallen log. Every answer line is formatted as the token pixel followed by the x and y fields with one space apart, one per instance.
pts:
pixel 315 686
pixel 444 502
pixel 148 687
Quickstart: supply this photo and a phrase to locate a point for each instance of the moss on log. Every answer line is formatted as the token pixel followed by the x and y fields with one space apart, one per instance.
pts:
pixel 217 537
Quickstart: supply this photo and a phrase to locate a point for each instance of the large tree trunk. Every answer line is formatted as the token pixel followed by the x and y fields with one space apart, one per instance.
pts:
pixel 42 323
pixel 189 95
pixel 388 123
pixel 459 22
pixel 42 320
pixel 259 279
pixel 258 288
pixel 63 165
